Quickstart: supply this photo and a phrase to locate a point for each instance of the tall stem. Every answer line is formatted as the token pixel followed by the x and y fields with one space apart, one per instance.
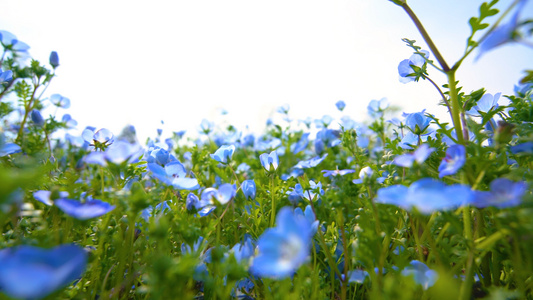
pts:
pixel 454 101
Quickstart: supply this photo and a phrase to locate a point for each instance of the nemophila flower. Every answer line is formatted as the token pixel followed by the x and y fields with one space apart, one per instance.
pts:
pixel 29 272
pixel 323 122
pixel 54 59
pixel 426 196
pixel 523 148
pixel 485 104
pixel 37 118
pixel 159 156
pixel 7 148
pixel 453 161
pixel 340 105
pixel 376 107
pixel 69 121
pixel 311 194
pixel 503 34
pixel 248 189
pixel 522 90
pixel 357 276
pixel 503 193
pixel 309 215
pixel 159 209
pixel 244 251
pixel 118 153
pixel 311 163
pixel 419 155
pixel 363 173
pixel 301 144
pixel 223 194
pixel 10 42
pixel 91 208
pixel 326 138
pixel 337 172
pixel 204 207
pixel 5 76
pixel 269 161
pixel 224 154
pixel 173 174
pixel 421 273
pixel 60 101
pixel 412 69
pixel 45 196
pixel 284 109
pixel 417 122
pixel 284 248
pixel 100 138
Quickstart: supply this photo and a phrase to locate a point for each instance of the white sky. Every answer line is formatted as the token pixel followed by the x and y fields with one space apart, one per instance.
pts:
pixel 140 62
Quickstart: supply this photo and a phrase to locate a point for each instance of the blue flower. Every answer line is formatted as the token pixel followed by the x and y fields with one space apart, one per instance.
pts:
pixel 503 193
pixel 89 209
pixel 173 174
pixel 248 189
pixel 301 144
pixel 7 148
pixel 9 41
pixel 204 206
pixel 412 69
pixel 54 59
pixel 313 162
pixel 340 105
pixel 160 208
pixel 421 273
pixel 330 173
pixel 269 161
pixel 44 196
pixel 363 173
pixel 224 154
pixel 485 104
pixel 419 155
pixel 245 250
pixel 324 122
pixel 502 34
pixel 309 215
pixel 284 248
pixel 357 276
pixel 5 76
pixel 100 138
pixel 118 153
pixel 37 118
pixel 526 147
pixel 223 194
pixel 60 101
pixel 417 122
pixel 453 161
pixel 426 196
pixel 29 272
pixel 376 108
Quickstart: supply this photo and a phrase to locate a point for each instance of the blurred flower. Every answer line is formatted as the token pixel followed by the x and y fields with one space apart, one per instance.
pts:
pixel 10 42
pixel 284 248
pixel 417 122
pixel 269 161
pixel 248 189
pixel 412 69
pixel 419 155
pixel 526 147
pixel 118 153
pixel 37 118
pixel 159 209
pixel 54 59
pixel 245 250
pixel 29 272
pixel 204 207
pixel 324 122
pixel 224 154
pixel 340 105
pixel 173 174
pixel 330 173
pixel 421 273
pixel 453 161
pixel 363 173
pixel 5 76
pixel 504 33
pixel 426 196
pixel 357 276
pixel 503 193
pixel 100 138
pixel 313 162
pixel 376 108
pixel 7 148
pixel 69 121
pixel 301 144
pixel 89 209
pixel 44 196
pixel 60 101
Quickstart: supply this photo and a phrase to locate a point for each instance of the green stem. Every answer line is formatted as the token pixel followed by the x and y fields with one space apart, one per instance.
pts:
pixel 455 107
pixel 273 211
pixel 466 287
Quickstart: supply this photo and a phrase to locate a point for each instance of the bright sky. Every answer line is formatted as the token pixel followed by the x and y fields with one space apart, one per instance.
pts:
pixel 140 62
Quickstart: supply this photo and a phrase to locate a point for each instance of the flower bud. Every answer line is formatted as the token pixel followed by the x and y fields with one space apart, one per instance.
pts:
pixel 54 59
pixel 37 118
